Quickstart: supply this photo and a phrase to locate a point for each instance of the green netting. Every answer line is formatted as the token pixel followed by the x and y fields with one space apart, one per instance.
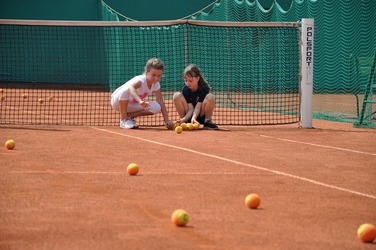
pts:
pixel 344 32
pixel 344 36
pixel 107 14
pixel 254 71
pixel 345 40
pixel 344 29
pixel 128 48
pixel 366 111
pixel 39 54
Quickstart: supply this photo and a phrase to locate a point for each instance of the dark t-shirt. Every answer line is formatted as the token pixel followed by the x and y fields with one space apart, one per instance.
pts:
pixel 194 96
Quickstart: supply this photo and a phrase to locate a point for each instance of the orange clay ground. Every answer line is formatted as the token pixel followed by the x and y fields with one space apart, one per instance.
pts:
pixel 68 187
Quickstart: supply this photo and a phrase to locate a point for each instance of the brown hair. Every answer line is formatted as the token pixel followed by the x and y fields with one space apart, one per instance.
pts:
pixel 154 63
pixel 193 71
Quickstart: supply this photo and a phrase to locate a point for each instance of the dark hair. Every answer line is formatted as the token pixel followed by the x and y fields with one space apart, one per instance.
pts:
pixel 154 63
pixel 193 71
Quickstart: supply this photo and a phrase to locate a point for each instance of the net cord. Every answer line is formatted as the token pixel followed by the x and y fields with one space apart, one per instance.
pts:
pixel 147 23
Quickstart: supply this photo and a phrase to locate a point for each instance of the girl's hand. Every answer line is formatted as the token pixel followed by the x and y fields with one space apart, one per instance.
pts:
pixel 181 120
pixel 170 125
pixel 194 120
pixel 145 105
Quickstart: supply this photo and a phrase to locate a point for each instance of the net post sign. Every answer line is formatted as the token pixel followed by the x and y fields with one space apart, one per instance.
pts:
pixel 306 83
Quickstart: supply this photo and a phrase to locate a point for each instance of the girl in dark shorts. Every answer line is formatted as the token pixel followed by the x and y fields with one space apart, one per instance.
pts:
pixel 195 103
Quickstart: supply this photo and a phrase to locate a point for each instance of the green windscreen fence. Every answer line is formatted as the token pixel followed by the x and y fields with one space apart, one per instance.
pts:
pixel 64 72
pixel 345 42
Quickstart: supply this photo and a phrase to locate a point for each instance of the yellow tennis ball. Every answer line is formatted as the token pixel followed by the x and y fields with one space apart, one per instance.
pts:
pixel 196 126
pixel 183 125
pixel 133 169
pixel 180 217
pixel 51 98
pixel 10 144
pixel 24 96
pixel 178 129
pixel 367 233
pixel 189 126
pixel 252 201
pixel 41 100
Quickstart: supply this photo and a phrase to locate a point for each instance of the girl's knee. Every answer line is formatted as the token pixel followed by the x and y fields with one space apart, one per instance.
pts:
pixel 177 95
pixel 154 107
pixel 210 97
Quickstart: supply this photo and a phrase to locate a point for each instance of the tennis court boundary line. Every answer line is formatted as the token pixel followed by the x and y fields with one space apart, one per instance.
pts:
pixel 242 164
pixel 121 172
pixel 318 145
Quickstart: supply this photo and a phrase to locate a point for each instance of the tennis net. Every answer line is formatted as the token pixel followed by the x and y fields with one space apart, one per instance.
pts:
pixel 63 72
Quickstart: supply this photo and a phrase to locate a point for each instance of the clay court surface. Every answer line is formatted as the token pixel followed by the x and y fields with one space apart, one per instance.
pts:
pixel 66 187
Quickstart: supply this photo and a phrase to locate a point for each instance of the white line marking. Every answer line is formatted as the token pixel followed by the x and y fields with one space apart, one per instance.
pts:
pixel 124 173
pixel 243 164
pixel 318 145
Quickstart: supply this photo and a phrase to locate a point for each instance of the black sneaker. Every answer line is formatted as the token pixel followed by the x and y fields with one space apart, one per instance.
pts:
pixel 210 125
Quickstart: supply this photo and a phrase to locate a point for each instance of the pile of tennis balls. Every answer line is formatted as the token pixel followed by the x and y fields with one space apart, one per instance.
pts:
pixel 180 127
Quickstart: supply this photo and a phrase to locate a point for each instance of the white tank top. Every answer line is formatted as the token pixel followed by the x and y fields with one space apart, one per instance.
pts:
pixel 122 93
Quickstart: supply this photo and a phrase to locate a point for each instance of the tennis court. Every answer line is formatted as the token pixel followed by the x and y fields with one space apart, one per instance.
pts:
pixel 66 187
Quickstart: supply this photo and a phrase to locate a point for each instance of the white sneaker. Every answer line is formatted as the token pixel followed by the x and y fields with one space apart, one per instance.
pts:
pixel 134 121
pixel 128 123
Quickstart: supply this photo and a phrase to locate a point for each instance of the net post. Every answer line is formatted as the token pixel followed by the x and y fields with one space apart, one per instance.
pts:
pixel 306 80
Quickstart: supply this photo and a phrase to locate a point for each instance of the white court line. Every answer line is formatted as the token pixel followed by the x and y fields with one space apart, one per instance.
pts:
pixel 318 145
pixel 243 164
pixel 122 173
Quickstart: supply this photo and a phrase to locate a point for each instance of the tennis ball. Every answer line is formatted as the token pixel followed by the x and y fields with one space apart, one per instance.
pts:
pixel 196 125
pixel 10 144
pixel 24 96
pixel 180 217
pixel 51 98
pixel 189 126
pixel 252 201
pixel 367 233
pixel 178 129
pixel 41 100
pixel 2 98
pixel 183 125
pixel 133 169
